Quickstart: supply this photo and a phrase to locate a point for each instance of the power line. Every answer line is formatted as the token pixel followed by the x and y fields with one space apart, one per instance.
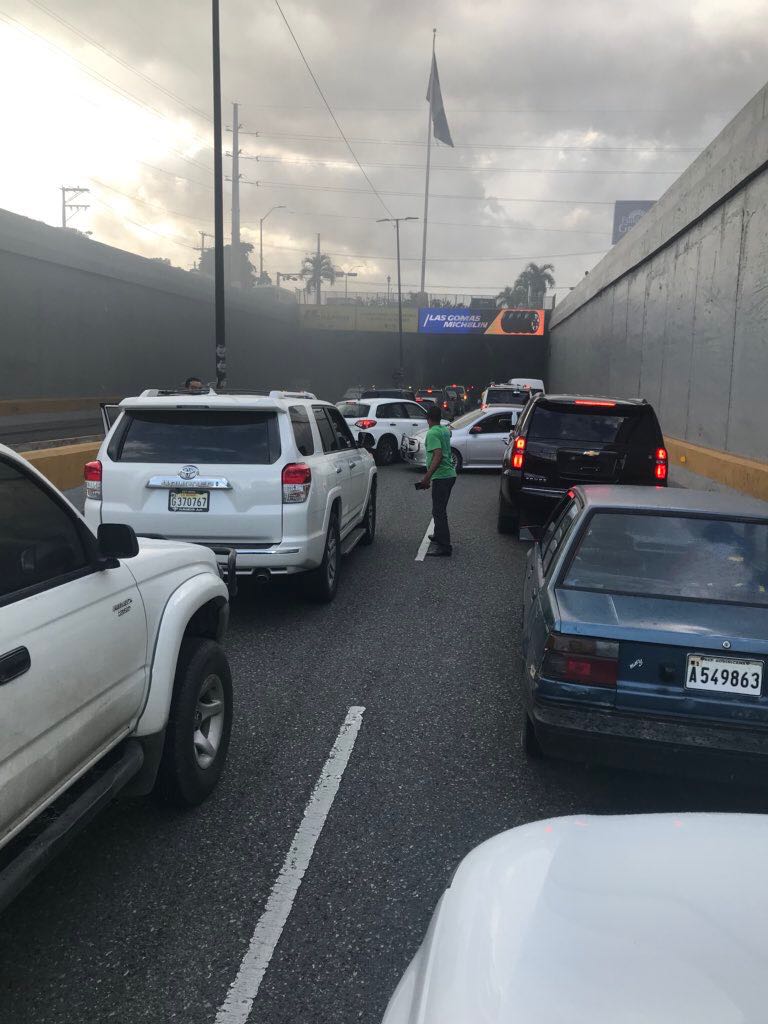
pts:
pixel 508 110
pixel 330 110
pixel 137 199
pixel 103 80
pixel 441 259
pixel 460 224
pixel 302 161
pixel 487 145
pixel 120 60
pixel 434 195
pixel 144 227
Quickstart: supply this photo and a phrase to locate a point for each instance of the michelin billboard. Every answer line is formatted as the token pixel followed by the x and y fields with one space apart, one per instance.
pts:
pixel 481 321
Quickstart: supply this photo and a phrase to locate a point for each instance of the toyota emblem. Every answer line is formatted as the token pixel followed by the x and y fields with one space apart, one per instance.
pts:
pixel 188 472
pixel 727 644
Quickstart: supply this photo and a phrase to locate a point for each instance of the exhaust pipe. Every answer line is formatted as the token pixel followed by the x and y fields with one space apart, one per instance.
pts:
pixel 262 575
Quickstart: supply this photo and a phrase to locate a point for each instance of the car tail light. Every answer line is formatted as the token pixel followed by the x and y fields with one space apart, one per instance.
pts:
pixel 92 476
pixel 581 660
pixel 600 403
pixel 445 405
pixel 518 453
pixel 365 424
pixel 662 464
pixel 297 479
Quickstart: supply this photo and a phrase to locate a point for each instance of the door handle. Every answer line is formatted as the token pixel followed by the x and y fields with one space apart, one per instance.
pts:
pixel 339 469
pixel 14 664
pixel 393 424
pixel 353 464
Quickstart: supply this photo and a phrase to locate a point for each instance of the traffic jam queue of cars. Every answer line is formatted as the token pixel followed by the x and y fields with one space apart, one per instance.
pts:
pixel 644 636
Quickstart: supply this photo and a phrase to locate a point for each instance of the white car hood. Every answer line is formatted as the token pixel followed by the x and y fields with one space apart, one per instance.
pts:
pixel 643 919
pixel 162 557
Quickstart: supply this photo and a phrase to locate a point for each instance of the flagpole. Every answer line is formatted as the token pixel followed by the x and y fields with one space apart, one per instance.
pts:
pixel 429 154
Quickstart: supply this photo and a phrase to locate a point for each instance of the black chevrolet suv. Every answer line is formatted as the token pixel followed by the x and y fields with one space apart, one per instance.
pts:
pixel 562 440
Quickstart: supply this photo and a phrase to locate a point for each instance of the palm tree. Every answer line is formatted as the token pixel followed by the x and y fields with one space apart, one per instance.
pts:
pixel 534 282
pixel 317 267
pixel 512 295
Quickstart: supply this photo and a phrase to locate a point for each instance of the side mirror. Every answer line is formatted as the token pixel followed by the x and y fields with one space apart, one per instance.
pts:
pixel 116 540
pixel 366 440
pixel 476 430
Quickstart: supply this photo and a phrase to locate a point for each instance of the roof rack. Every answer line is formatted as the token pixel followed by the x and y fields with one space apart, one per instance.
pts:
pixel 169 392
pixel 292 394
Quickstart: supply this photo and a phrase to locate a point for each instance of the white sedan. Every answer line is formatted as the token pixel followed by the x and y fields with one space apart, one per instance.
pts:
pixel 387 420
pixel 478 439
pixel 656 918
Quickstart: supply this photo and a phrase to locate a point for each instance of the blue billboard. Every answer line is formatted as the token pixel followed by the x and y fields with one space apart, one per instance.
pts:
pixel 433 320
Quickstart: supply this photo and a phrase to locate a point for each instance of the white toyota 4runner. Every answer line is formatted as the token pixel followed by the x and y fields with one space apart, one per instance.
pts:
pixel 278 478
pixel 111 671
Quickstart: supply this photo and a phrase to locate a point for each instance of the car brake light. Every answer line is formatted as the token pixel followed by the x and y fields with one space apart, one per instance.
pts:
pixel 595 402
pixel 365 424
pixel 92 476
pixel 518 457
pixel 662 464
pixel 581 660
pixel 445 405
pixel 297 479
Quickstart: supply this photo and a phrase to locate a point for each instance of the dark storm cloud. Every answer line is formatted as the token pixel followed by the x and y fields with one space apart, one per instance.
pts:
pixel 595 73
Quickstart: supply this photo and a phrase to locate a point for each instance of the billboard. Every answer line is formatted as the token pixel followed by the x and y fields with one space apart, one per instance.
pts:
pixel 481 321
pixel 356 318
pixel 626 213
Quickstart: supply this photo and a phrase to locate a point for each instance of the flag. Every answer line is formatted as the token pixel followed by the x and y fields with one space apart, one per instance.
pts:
pixel 435 99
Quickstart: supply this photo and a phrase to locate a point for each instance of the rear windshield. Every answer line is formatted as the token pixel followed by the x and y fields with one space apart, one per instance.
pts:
pixel 431 396
pixel 574 423
pixel 353 410
pixel 673 556
pixel 197 437
pixel 508 396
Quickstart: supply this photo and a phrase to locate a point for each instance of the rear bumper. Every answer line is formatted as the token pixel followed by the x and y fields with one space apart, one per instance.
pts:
pixel 569 728
pixel 282 559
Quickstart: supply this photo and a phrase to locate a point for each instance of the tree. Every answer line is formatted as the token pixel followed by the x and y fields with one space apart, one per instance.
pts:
pixel 529 288
pixel 317 267
pixel 239 272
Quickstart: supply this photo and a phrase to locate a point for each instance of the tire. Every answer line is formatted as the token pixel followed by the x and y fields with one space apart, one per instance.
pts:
pixel 386 451
pixel 456 459
pixel 322 583
pixel 529 740
pixel 369 519
pixel 196 742
pixel 509 519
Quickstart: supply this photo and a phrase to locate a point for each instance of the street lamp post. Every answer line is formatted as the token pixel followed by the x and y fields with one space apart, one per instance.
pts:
pixel 396 221
pixel 218 206
pixel 346 274
pixel 261 240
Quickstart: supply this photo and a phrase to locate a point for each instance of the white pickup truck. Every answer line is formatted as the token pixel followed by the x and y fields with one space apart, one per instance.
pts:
pixel 112 676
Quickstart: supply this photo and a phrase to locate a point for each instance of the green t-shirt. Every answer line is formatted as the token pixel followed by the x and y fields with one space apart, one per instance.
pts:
pixel 440 437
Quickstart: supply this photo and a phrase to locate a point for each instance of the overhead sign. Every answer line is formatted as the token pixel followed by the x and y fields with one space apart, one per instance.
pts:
pixel 481 321
pixel 626 213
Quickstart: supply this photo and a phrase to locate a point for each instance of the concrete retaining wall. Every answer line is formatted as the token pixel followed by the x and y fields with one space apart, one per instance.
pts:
pixel 677 312
pixel 81 318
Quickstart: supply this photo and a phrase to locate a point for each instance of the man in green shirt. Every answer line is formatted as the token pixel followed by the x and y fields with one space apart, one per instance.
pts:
pixel 440 476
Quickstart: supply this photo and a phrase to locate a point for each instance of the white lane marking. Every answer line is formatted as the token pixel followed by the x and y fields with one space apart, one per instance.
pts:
pixel 243 990
pixel 425 542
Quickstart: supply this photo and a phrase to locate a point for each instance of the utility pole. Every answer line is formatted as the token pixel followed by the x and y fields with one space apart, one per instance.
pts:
pixel 218 205
pixel 389 285
pixel 400 374
pixel 235 262
pixel 201 248
pixel 68 194
pixel 261 241
pixel 317 269
pixel 426 183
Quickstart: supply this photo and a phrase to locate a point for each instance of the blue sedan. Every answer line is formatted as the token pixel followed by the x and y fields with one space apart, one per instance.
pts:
pixel 645 624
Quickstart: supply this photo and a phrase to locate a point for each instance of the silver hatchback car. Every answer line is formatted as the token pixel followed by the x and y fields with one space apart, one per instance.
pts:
pixel 478 439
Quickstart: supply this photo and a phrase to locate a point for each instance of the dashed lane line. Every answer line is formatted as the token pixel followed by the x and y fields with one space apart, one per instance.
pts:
pixel 420 554
pixel 242 992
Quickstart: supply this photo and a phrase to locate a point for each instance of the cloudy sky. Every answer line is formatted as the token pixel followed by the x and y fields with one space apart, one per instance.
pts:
pixel 556 110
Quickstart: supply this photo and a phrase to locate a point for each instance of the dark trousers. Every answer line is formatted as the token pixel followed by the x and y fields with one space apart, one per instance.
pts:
pixel 441 492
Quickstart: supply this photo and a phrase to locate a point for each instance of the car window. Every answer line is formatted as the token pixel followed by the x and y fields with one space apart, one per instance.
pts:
pixel 39 540
pixel 207 436
pixel 574 423
pixel 343 433
pixel 501 424
pixel 302 430
pixel 414 411
pixel 675 556
pixel 467 419
pixel 327 433
pixel 354 410
pixel 391 410
pixel 508 396
pixel 561 528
